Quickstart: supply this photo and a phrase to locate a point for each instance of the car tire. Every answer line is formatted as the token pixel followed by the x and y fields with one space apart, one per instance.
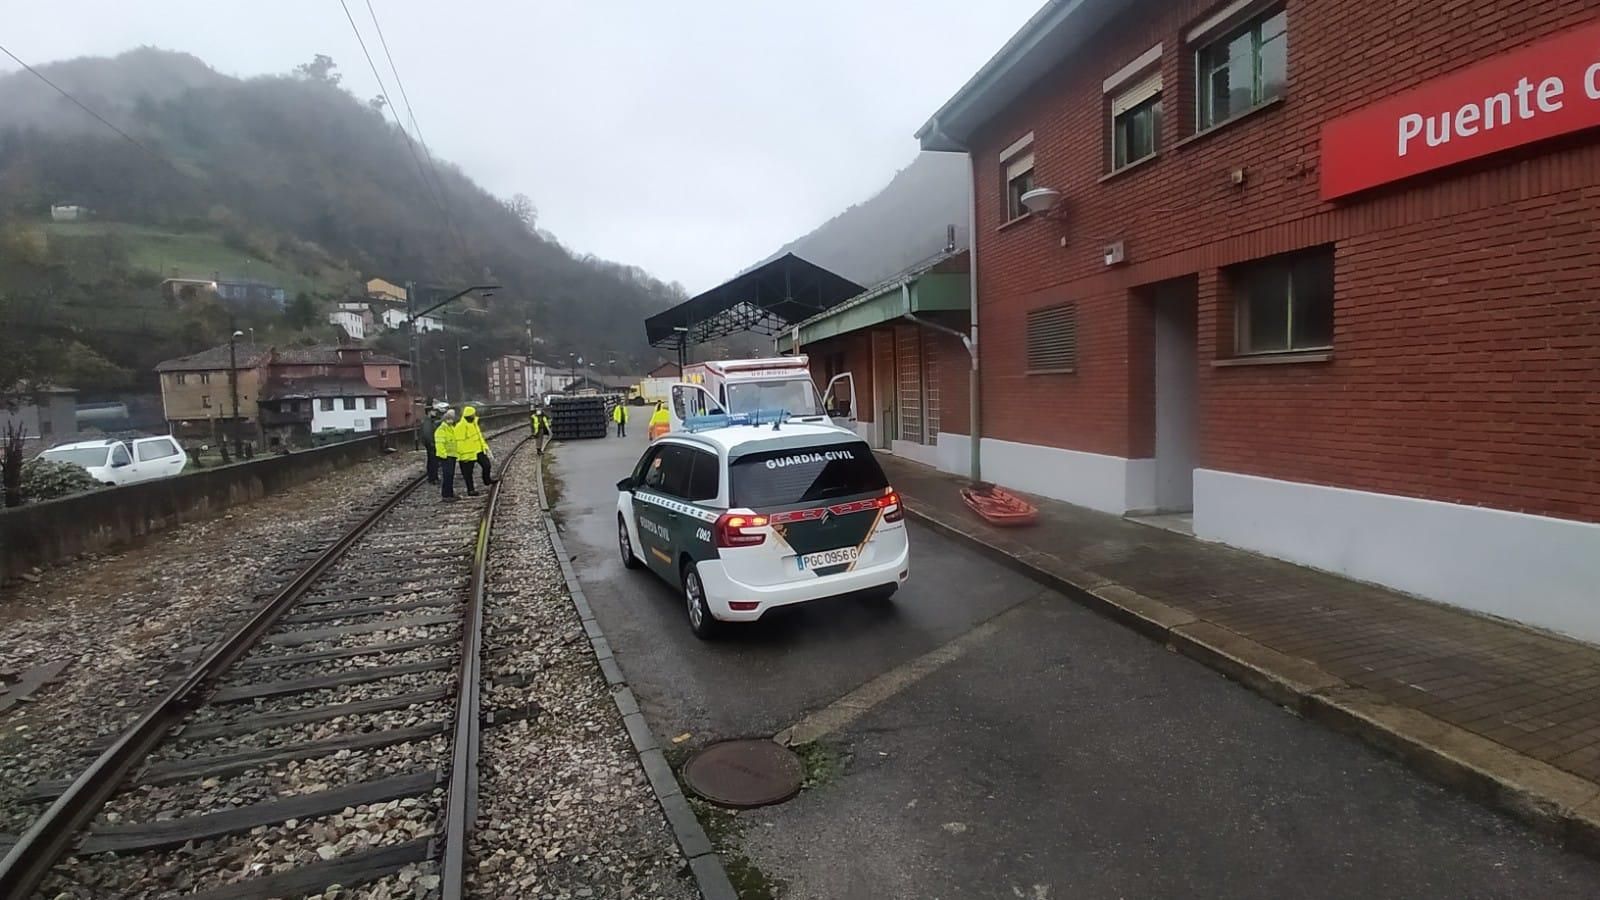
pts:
pixel 625 545
pixel 701 622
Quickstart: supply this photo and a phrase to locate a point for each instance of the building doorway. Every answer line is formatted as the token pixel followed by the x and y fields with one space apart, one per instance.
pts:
pixel 1177 398
pixel 884 386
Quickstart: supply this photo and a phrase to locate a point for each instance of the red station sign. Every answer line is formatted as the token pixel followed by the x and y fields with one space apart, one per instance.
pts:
pixel 1537 92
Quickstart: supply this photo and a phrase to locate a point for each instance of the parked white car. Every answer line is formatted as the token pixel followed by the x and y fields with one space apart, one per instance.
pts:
pixel 747 518
pixel 123 462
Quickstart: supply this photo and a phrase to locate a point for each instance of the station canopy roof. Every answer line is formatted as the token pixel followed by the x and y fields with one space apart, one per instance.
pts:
pixel 768 299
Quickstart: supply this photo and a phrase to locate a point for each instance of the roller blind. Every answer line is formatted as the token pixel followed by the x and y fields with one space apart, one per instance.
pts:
pixel 1136 95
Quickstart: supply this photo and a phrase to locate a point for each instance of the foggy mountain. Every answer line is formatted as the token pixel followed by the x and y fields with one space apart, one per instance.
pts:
pixel 295 161
pixel 110 87
pixel 898 227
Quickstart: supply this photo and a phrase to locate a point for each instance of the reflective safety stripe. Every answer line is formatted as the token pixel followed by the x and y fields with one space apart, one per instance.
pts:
pixel 677 506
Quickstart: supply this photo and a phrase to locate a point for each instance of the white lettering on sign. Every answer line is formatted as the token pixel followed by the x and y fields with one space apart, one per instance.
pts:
pixel 1529 94
pixel 802 458
pixel 1495 109
pixel 1550 91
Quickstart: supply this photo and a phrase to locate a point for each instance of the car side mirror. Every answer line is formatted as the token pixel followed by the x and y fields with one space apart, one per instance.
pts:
pixel 625 484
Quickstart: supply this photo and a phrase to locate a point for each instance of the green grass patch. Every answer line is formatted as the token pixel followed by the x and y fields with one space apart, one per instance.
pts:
pixel 196 254
pixel 823 764
pixel 726 832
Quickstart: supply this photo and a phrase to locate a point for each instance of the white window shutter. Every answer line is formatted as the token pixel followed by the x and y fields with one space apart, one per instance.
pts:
pixel 1136 95
pixel 1018 166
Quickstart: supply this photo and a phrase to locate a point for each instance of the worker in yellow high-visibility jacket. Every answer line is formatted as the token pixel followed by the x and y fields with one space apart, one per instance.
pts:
pixel 660 422
pixel 539 421
pixel 472 447
pixel 619 415
pixel 444 446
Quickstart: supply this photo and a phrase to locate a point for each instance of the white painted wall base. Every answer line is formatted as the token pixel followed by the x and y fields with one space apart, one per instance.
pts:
pixel 1534 569
pixel 1110 484
pixel 955 453
pixel 928 456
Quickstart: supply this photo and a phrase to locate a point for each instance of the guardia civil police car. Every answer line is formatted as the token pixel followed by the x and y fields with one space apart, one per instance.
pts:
pixel 749 514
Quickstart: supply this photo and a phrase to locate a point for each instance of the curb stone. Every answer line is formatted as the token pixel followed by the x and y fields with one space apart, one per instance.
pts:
pixel 1552 801
pixel 711 879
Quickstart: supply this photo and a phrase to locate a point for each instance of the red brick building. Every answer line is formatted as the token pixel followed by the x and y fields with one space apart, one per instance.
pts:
pixel 1261 275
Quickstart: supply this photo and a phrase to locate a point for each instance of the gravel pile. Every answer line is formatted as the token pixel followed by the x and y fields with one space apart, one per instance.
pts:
pixel 126 620
pixel 565 810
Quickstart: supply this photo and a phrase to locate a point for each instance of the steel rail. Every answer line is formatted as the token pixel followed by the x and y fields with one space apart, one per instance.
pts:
pixel 461 809
pixel 29 861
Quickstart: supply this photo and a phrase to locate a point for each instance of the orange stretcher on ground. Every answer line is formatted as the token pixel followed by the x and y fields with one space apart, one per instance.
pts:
pixel 999 507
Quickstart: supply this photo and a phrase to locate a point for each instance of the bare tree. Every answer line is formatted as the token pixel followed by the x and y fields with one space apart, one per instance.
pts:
pixel 11 464
pixel 520 206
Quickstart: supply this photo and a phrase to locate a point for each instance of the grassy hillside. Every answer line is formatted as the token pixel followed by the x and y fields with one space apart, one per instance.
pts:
pixel 174 253
pixel 279 178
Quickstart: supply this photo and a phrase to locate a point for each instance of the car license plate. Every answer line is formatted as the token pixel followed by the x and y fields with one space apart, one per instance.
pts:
pixel 827 558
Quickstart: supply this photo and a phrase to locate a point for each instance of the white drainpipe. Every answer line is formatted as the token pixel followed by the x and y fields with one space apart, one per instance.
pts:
pixel 970 340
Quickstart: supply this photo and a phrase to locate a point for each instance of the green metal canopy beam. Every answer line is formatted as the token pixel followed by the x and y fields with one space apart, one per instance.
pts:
pixel 929 292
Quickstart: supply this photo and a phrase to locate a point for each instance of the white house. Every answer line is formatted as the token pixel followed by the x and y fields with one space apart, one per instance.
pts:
pixel 537 377
pixel 353 323
pixel 361 408
pixel 394 317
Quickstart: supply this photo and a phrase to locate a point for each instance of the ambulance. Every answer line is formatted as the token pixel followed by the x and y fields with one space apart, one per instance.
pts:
pixel 748 386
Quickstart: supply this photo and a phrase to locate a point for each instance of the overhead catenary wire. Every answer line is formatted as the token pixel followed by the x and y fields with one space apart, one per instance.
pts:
pixel 422 174
pixel 416 126
pixel 410 113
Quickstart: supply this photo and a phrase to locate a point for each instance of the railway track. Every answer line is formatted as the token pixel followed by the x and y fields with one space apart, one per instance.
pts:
pixel 337 729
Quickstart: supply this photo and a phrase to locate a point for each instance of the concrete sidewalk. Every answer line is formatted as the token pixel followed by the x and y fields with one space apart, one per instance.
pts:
pixel 1510 715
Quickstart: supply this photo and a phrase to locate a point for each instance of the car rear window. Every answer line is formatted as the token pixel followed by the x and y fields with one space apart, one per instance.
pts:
pixel 81 456
pixel 804 475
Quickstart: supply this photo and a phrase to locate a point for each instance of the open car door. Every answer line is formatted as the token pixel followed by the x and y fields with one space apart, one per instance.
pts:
pixel 839 400
pixel 689 401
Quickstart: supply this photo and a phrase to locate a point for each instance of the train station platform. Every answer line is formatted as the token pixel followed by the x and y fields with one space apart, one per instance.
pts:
pixel 1510 714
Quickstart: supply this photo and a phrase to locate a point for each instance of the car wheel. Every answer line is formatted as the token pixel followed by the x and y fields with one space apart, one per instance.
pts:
pixel 625 545
pixel 694 597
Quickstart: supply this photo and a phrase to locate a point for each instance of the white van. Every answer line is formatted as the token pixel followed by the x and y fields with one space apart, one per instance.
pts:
pixel 116 463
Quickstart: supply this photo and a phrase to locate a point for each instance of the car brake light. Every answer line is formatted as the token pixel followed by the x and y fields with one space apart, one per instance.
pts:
pixel 730 530
pixel 893 510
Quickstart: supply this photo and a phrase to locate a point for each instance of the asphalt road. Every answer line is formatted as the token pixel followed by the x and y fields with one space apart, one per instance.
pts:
pixel 1060 755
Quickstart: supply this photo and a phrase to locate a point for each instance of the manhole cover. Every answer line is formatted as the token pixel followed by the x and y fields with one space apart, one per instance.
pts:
pixel 744 773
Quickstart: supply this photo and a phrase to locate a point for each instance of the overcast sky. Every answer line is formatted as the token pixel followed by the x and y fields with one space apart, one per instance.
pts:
pixel 690 138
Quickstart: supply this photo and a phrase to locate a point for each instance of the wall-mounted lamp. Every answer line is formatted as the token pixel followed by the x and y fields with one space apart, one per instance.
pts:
pixel 1041 200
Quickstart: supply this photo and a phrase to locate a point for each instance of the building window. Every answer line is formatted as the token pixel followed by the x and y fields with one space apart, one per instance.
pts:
pixel 350 403
pixel 1016 172
pixel 370 402
pixel 1284 304
pixel 1243 69
pixel 1053 339
pixel 205 377
pixel 383 373
pixel 181 378
pixel 205 401
pixel 1136 123
pixel 327 404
